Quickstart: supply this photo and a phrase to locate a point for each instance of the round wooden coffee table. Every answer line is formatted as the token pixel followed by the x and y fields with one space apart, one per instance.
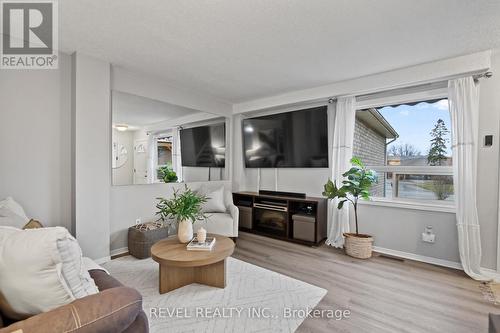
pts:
pixel 180 267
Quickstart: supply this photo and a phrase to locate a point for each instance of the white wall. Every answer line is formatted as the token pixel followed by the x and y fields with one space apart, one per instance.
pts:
pixel 488 163
pixel 35 141
pixel 395 228
pixel 201 174
pixel 92 154
pixel 400 229
pixel 310 181
pixel 140 135
pixel 124 175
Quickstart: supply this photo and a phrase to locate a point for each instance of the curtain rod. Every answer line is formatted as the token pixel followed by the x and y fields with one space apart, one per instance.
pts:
pixel 476 77
pixel 485 75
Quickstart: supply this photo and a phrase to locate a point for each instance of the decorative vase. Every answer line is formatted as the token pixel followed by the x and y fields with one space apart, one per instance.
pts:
pixel 201 235
pixel 185 231
pixel 358 245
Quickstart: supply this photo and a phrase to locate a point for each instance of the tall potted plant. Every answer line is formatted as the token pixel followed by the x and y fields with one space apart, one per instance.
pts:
pixel 185 209
pixel 356 186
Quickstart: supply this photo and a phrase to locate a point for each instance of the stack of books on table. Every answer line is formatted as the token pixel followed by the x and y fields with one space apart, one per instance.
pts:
pixel 207 245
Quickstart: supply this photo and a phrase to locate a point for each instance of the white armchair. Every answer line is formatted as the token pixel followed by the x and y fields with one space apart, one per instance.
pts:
pixel 225 224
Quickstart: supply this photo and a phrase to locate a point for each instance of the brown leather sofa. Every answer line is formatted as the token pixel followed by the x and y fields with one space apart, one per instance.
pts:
pixel 114 309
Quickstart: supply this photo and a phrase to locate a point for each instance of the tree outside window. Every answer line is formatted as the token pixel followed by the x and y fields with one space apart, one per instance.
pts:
pixel 418 161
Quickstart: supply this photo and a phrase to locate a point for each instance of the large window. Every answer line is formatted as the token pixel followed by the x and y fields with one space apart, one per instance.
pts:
pixel 409 145
pixel 164 152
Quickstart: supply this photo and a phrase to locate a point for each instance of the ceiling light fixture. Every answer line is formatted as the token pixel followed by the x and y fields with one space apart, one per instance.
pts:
pixel 121 128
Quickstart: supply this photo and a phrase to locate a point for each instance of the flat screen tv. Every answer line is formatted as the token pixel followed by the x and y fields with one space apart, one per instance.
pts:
pixel 297 139
pixel 204 146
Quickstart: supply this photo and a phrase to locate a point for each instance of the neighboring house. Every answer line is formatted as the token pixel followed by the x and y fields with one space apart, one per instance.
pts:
pixel 371 134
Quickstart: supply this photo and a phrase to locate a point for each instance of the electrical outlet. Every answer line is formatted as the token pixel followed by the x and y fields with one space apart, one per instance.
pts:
pixel 488 140
pixel 428 238
pixel 138 221
pixel 428 235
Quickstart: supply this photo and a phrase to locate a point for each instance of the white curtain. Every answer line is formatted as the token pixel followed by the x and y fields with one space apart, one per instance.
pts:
pixel 228 153
pixel 176 153
pixel 341 117
pixel 463 97
pixel 238 154
pixel 152 157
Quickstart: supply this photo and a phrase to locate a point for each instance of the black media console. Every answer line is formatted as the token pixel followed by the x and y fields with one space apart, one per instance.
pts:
pixel 287 216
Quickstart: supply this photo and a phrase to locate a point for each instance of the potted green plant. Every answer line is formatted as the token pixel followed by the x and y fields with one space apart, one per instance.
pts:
pixel 356 186
pixel 167 174
pixel 185 209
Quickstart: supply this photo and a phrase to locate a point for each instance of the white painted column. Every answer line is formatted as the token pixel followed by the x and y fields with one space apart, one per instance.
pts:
pixel 91 155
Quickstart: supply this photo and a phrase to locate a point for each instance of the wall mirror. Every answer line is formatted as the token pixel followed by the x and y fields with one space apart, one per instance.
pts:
pixel 157 142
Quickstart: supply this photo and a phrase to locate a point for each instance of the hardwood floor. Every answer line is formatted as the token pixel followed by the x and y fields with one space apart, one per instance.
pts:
pixel 382 294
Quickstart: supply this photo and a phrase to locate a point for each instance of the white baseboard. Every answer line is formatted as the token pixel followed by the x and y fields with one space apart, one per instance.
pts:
pixel 417 257
pixel 491 273
pixel 103 260
pixel 118 251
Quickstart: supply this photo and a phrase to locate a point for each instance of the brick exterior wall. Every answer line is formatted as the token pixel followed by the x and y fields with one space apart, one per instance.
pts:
pixel 370 147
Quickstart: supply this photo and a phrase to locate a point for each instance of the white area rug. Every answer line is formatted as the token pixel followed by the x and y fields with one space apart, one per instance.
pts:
pixel 254 300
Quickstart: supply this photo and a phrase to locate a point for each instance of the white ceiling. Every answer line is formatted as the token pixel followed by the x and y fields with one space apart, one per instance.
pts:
pixel 240 50
pixel 136 111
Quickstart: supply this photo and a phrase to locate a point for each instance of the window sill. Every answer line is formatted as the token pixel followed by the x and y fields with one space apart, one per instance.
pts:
pixel 410 204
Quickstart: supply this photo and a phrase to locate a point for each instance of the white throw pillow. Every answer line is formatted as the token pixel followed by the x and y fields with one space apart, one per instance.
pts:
pixel 12 214
pixel 41 269
pixel 74 270
pixel 90 264
pixel 215 202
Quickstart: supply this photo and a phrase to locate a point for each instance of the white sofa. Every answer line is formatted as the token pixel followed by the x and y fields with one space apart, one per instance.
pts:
pixel 225 224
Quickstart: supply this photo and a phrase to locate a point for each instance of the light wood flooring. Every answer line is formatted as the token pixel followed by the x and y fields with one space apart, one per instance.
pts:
pixel 382 294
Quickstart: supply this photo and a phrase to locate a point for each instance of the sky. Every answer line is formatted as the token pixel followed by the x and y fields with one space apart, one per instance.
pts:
pixel 414 123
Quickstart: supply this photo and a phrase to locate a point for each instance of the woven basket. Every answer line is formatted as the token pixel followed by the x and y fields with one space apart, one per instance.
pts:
pixel 142 236
pixel 358 246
